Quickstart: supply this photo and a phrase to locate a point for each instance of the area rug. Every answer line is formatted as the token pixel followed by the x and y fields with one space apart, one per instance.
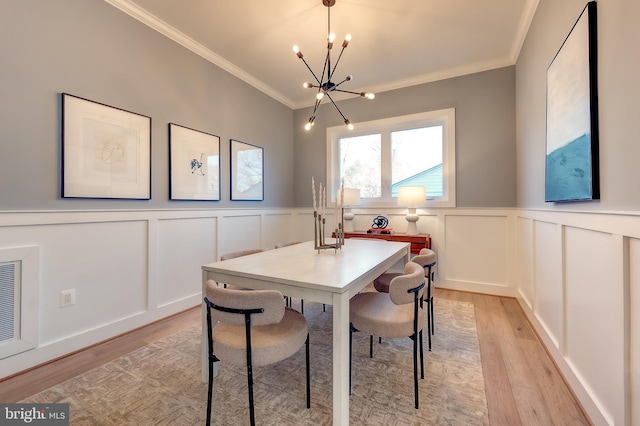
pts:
pixel 160 384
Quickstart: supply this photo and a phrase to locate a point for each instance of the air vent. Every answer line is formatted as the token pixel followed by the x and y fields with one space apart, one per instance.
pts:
pixel 9 300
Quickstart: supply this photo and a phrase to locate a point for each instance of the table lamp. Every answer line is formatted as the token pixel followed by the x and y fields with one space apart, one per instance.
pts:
pixel 351 198
pixel 412 197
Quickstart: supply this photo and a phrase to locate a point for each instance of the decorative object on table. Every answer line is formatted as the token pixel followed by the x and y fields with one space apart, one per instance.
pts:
pixel 106 151
pixel 194 161
pixel 379 226
pixel 319 208
pixel 351 198
pixel 247 172
pixel 412 197
pixel 572 158
pixel 326 87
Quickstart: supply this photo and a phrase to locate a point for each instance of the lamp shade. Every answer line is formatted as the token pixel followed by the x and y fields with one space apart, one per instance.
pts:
pixel 351 197
pixel 411 196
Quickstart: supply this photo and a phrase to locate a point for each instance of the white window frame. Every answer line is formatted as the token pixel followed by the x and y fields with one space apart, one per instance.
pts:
pixel 444 117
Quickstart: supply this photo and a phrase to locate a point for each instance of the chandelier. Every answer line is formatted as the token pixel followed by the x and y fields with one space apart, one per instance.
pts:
pixel 324 85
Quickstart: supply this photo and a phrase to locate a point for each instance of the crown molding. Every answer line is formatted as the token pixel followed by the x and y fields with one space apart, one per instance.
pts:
pixel 179 37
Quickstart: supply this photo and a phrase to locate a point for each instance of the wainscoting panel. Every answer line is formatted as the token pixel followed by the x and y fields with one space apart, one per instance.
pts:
pixel 278 228
pixel 184 245
pixel 240 232
pixel 525 277
pixel 475 250
pixel 595 321
pixel 549 293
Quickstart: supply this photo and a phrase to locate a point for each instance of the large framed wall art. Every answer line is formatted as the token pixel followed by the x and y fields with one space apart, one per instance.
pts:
pixel 247 171
pixel 572 157
pixel 106 151
pixel 195 164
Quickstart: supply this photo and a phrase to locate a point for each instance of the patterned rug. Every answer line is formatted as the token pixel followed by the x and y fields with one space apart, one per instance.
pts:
pixel 160 383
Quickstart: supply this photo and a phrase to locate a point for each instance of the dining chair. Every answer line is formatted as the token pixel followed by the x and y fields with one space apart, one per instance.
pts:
pixel 398 313
pixel 427 259
pixel 254 328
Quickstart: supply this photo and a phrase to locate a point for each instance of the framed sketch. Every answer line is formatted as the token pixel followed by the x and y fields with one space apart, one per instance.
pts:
pixel 106 151
pixel 572 158
pixel 194 161
pixel 247 171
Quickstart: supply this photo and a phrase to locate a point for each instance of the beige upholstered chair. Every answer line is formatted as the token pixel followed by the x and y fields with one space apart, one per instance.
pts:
pixel 395 314
pixel 254 329
pixel 427 259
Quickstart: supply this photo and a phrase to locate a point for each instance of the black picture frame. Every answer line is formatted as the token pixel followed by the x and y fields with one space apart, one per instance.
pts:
pixel 247 171
pixel 572 141
pixel 194 164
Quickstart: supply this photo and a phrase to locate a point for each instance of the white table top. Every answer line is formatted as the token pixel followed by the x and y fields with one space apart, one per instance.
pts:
pixel 301 266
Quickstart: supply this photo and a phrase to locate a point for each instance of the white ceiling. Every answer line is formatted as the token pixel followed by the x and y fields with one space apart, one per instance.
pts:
pixel 395 43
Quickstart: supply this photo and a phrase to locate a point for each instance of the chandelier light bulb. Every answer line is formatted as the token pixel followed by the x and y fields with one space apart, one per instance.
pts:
pixel 307 126
pixel 348 78
pixel 307 85
pixel 369 95
pixel 297 51
pixel 320 95
pixel 332 38
pixel 346 41
pixel 348 123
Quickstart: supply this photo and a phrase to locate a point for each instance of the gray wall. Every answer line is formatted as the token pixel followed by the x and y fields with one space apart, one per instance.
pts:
pixel 485 133
pixel 619 89
pixel 92 50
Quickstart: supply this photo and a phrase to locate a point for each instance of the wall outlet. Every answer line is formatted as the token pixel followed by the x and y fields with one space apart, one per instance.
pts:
pixel 67 298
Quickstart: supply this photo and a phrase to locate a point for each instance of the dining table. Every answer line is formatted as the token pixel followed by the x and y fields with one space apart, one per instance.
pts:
pixel 329 276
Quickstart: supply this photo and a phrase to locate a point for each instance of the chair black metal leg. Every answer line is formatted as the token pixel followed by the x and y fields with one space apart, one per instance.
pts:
pixel 371 346
pixel 433 321
pixel 429 322
pixel 324 308
pixel 421 356
pixel 301 306
pixel 415 369
pixel 210 388
pixel 308 375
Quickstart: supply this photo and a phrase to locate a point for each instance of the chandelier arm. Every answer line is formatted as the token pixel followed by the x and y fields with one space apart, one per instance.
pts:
pixel 325 68
pixel 348 91
pixel 335 105
pixel 311 71
pixel 336 64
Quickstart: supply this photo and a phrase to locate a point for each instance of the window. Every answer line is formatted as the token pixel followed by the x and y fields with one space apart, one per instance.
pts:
pixel 378 157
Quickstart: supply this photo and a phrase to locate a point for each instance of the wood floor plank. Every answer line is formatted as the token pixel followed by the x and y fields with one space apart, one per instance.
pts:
pixel 563 408
pixel 500 400
pixel 521 326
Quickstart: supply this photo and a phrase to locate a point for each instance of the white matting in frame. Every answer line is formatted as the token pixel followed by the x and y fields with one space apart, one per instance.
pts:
pixel 106 151
pixel 247 171
pixel 194 163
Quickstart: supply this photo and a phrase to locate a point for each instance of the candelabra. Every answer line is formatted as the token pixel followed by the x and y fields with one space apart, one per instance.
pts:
pixel 319 233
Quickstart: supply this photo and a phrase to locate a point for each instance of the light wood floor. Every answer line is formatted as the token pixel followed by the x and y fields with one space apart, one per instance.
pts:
pixel 523 385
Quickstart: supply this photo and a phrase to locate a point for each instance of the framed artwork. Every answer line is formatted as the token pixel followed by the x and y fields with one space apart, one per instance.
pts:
pixel 106 151
pixel 572 157
pixel 194 162
pixel 247 171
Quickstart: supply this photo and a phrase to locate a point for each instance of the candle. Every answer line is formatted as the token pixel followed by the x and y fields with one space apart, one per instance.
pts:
pixel 313 192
